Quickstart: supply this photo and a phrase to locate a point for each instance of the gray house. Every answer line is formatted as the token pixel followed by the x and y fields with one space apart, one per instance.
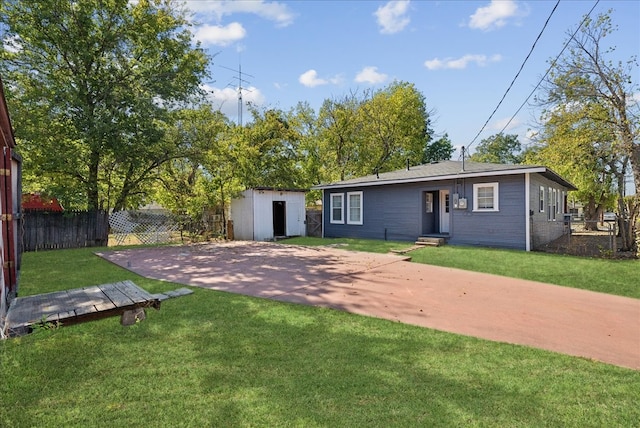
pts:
pixel 466 203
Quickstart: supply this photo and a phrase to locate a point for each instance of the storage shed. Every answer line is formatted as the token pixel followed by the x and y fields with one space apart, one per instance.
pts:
pixel 265 213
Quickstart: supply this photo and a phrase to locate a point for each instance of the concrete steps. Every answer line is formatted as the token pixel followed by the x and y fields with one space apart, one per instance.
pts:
pixel 431 241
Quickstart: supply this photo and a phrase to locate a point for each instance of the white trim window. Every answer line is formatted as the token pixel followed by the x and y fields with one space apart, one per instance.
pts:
pixel 337 208
pixel 485 197
pixel 542 201
pixel 354 208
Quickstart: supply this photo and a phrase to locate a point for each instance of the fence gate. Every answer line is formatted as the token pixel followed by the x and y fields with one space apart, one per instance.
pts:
pixel 314 223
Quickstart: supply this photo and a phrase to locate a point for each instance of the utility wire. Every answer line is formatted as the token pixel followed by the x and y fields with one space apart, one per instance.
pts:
pixel 516 76
pixel 553 64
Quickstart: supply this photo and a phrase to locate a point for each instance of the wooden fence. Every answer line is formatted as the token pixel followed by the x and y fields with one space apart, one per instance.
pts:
pixel 70 229
pixel 314 223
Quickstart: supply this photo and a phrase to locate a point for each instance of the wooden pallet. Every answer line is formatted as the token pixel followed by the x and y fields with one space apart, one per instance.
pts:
pixel 79 305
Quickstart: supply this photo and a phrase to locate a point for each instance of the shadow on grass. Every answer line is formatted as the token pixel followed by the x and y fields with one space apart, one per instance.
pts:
pixel 218 359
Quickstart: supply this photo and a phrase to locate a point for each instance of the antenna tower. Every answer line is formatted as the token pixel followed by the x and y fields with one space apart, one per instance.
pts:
pixel 241 81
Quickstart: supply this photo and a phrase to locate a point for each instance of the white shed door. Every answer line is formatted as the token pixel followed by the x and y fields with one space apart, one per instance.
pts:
pixel 295 222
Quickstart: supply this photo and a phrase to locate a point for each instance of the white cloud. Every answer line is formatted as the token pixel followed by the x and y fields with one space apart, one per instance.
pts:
pixel 310 79
pixel 494 15
pixel 501 123
pixel 370 75
pixel 273 11
pixel 226 99
pixel 220 35
pixel 392 17
pixel 460 63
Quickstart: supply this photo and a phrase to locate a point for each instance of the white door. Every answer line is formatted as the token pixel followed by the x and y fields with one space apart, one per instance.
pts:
pixel 444 211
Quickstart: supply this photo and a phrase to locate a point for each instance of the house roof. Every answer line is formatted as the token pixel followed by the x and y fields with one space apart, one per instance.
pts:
pixel 446 170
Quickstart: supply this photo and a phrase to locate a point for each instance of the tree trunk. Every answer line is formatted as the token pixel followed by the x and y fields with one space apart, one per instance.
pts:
pixel 625 231
pixel 591 215
pixel 632 206
pixel 93 203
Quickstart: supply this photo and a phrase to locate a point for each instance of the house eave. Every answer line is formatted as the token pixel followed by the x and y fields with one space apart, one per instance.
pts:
pixel 471 174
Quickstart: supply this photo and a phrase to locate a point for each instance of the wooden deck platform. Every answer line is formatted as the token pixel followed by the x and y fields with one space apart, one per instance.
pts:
pixel 77 305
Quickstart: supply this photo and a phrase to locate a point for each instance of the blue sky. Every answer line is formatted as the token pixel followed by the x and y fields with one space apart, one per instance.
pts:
pixel 462 55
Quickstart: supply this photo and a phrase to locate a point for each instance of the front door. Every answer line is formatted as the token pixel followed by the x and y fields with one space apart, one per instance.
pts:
pixel 444 211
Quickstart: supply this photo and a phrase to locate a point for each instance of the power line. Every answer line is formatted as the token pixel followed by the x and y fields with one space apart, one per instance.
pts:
pixel 553 64
pixel 516 76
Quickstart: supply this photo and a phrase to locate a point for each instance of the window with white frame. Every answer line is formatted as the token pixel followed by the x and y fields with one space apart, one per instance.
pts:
pixel 485 197
pixel 541 199
pixel 354 208
pixel 337 208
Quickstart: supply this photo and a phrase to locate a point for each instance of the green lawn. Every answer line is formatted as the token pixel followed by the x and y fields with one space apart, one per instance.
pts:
pixel 218 359
pixel 620 277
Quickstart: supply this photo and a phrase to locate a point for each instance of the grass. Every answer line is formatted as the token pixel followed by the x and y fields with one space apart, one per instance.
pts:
pixel 618 277
pixel 369 245
pixel 218 359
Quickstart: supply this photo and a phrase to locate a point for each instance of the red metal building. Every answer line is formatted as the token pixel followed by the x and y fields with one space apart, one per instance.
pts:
pixel 10 196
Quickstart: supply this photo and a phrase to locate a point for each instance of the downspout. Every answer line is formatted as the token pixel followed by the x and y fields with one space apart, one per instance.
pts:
pixel 323 217
pixel 527 208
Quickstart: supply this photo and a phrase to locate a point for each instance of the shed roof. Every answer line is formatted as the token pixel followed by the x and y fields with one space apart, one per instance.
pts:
pixel 446 170
pixel 278 189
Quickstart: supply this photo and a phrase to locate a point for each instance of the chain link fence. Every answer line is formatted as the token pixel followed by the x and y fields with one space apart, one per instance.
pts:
pixel 132 227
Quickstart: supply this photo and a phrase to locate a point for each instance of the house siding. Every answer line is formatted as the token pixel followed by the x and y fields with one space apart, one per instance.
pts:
pixel 406 204
pixel 389 212
pixel 543 229
pixel 395 212
pixel 504 228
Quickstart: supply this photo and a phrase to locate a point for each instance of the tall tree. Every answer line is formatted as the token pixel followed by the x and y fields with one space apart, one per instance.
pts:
pixel 92 82
pixel 272 153
pixel 192 183
pixel 498 148
pixel 395 125
pixel 580 149
pixel 439 150
pixel 339 137
pixel 303 119
pixel 586 74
